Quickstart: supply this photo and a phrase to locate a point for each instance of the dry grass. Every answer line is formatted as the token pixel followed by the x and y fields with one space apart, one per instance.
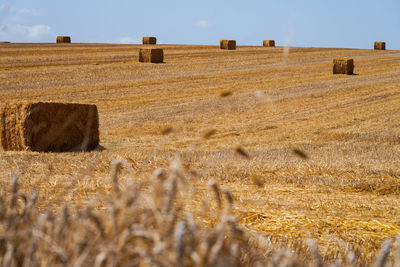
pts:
pixel 128 227
pixel 202 106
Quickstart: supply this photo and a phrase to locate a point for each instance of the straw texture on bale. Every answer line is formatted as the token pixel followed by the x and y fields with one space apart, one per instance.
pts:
pixel 63 39
pixel 380 46
pixel 269 43
pixel 227 44
pixel 49 127
pixel 149 40
pixel 343 66
pixel 152 55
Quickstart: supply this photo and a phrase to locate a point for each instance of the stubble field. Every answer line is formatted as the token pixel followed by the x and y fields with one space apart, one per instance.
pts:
pixel 237 117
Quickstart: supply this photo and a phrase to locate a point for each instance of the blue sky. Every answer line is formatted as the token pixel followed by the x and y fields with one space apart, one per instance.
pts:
pixel 318 23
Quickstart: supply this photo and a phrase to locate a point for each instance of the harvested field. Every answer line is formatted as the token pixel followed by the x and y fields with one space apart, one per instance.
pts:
pixel 306 154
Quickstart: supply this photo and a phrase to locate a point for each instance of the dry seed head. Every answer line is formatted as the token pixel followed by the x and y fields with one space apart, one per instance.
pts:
pixel 96 220
pixel 300 153
pixel 216 249
pixel 239 150
pixel 14 190
pixel 214 185
pixel 209 133
pixel 316 256
pixel 100 259
pixel 228 195
pixel 226 94
pixel 180 232
pixel 384 253
pixel 115 168
pixel 160 174
pixel 167 130
pixel 257 180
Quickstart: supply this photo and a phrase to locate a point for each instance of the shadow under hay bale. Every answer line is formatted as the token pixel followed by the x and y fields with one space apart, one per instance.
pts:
pixel 379 46
pixel 227 44
pixel 149 40
pixel 63 39
pixel 269 43
pixel 151 55
pixel 343 66
pixel 49 127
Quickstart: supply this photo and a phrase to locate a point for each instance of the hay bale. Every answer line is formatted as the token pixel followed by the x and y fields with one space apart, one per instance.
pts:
pixel 380 46
pixel 49 127
pixel 149 40
pixel 152 55
pixel 63 39
pixel 227 44
pixel 343 66
pixel 269 43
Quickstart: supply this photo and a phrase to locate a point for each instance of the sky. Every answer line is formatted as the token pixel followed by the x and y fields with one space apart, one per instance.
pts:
pixel 307 23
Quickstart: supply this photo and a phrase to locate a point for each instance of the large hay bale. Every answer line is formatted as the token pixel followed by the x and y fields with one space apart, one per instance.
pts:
pixel 380 46
pixel 269 43
pixel 63 39
pixel 152 55
pixel 49 127
pixel 227 44
pixel 149 40
pixel 343 66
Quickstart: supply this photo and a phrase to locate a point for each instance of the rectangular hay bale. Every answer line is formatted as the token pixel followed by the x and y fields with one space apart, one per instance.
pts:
pixel 269 43
pixel 149 40
pixel 380 46
pixel 227 44
pixel 49 127
pixel 343 66
pixel 63 39
pixel 152 55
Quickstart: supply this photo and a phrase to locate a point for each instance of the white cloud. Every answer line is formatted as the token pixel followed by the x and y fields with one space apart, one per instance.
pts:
pixel 38 31
pixel 5 7
pixel 24 33
pixel 203 23
pixel 127 40
pixel 32 12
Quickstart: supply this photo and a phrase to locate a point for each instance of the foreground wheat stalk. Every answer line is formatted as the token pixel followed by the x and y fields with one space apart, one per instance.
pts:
pixel 145 229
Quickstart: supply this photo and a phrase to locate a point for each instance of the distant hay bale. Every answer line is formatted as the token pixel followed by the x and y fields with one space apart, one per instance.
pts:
pixel 63 39
pixel 227 44
pixel 152 55
pixel 380 46
pixel 149 40
pixel 4 42
pixel 49 127
pixel 269 43
pixel 343 66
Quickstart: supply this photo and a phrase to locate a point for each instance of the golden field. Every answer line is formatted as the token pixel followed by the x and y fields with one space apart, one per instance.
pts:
pixel 203 106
